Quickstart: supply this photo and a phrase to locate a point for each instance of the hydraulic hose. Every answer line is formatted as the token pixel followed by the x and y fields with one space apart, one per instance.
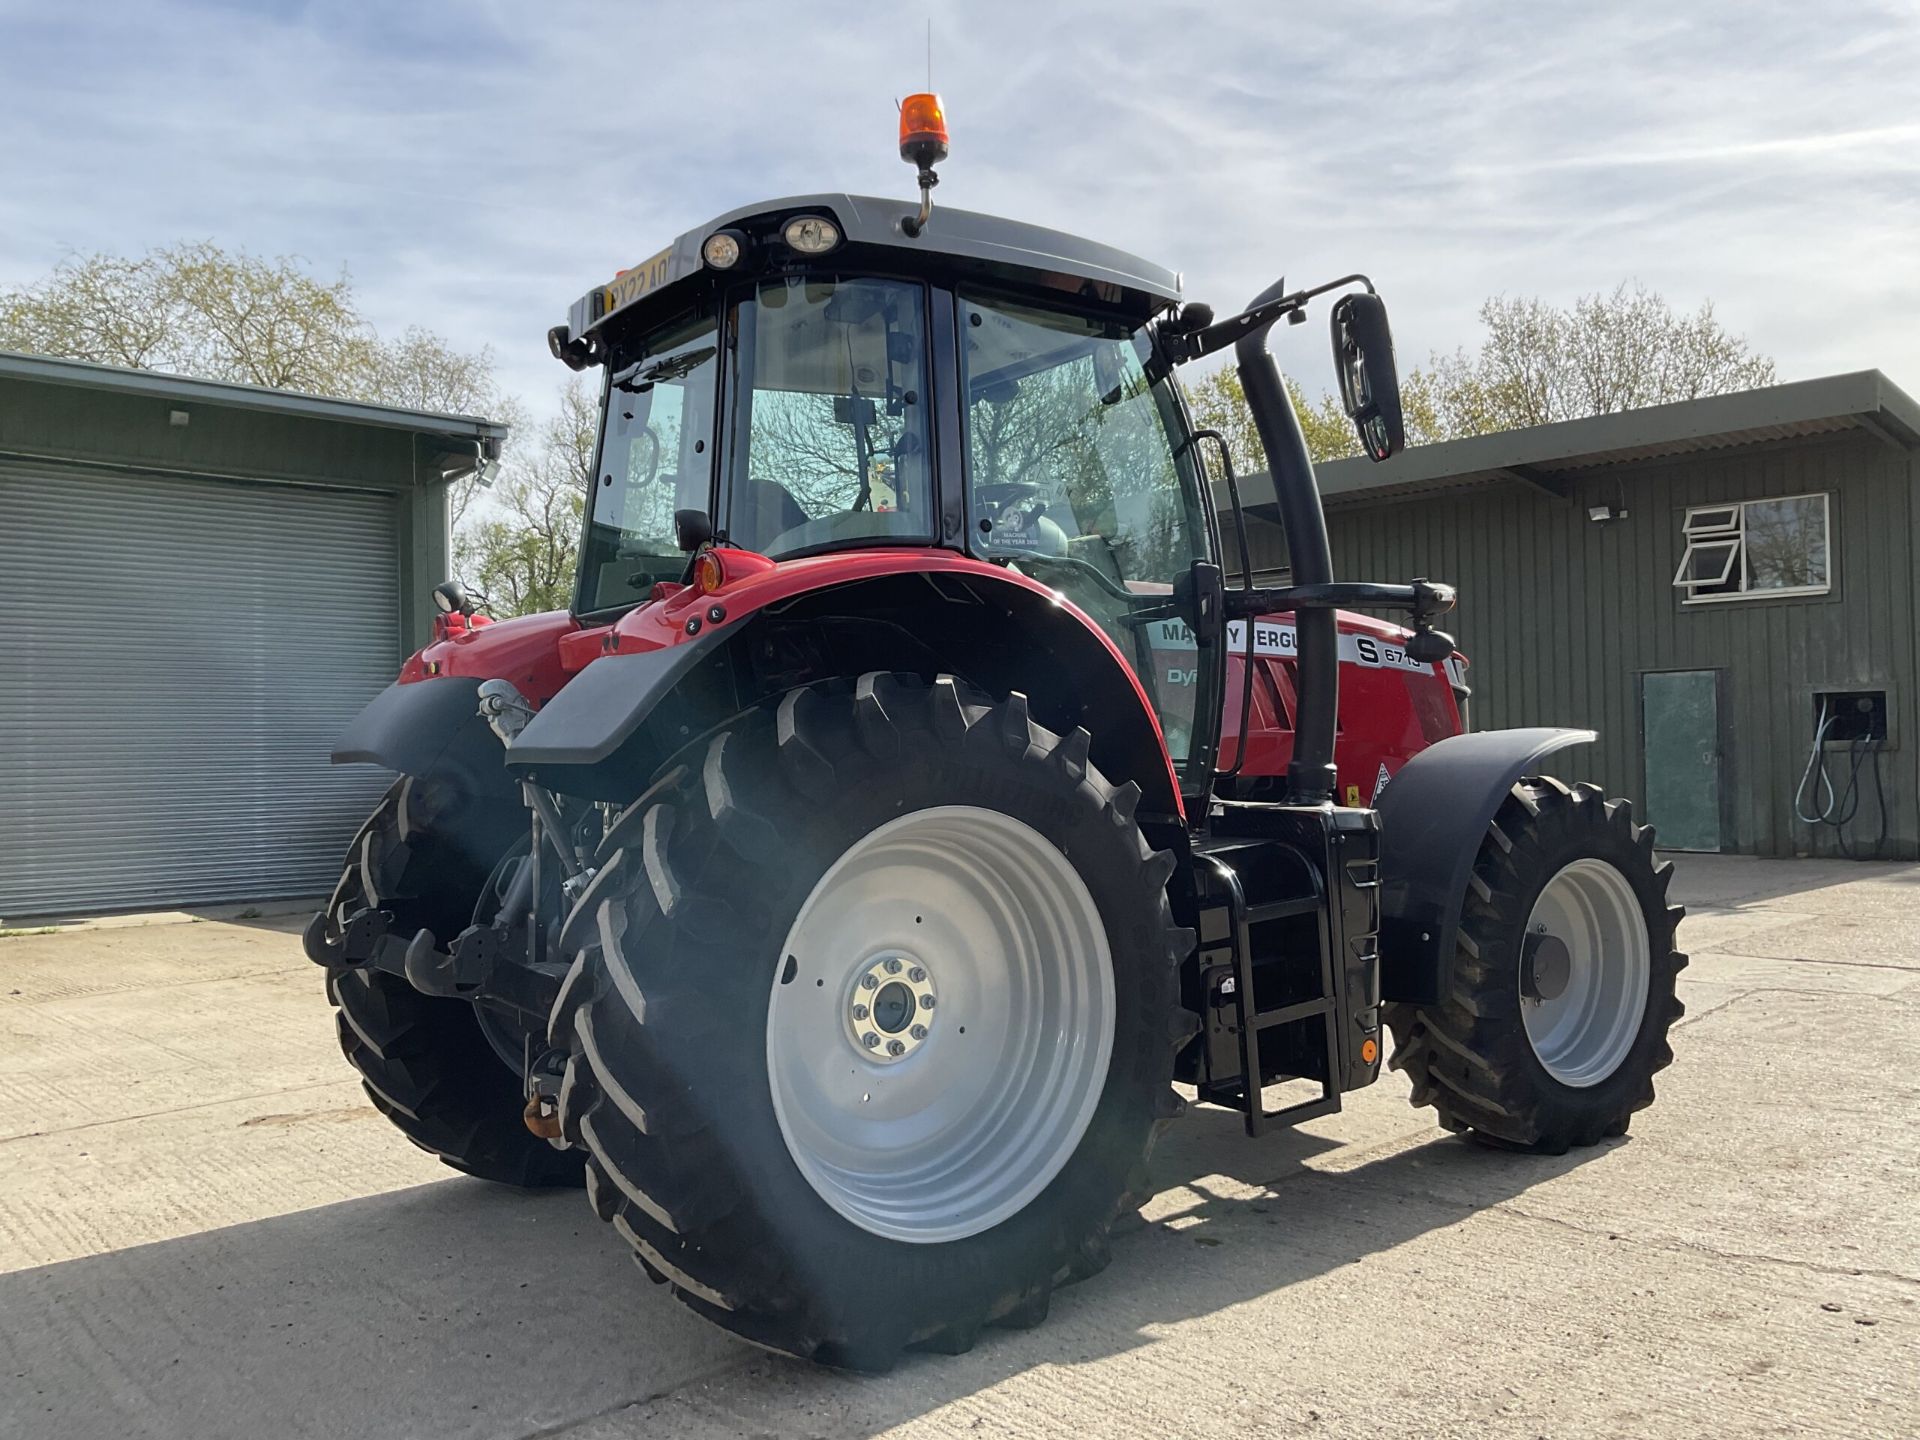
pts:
pixel 1310 774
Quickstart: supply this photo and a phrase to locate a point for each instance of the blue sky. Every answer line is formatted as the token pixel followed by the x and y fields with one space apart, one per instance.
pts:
pixel 475 167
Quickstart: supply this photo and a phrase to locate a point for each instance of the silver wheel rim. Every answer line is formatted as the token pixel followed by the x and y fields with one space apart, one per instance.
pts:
pixel 1583 1029
pixel 967 1122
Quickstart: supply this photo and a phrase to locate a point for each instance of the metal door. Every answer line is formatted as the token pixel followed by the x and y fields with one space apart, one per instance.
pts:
pixel 176 658
pixel 1680 725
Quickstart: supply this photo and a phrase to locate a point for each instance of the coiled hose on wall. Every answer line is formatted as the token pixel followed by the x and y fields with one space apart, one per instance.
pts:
pixel 1840 807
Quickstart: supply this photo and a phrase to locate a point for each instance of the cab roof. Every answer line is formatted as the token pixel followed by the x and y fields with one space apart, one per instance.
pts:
pixel 962 239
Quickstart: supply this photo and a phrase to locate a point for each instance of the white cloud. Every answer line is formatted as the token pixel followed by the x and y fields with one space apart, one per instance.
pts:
pixel 478 167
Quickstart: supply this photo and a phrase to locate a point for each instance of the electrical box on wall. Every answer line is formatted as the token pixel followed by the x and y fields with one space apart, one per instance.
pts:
pixel 1851 715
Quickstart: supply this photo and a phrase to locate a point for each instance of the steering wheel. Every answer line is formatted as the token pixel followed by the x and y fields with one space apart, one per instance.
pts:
pixel 652 438
pixel 1003 496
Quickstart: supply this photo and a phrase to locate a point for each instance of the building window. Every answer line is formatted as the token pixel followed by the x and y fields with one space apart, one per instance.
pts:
pixel 1757 549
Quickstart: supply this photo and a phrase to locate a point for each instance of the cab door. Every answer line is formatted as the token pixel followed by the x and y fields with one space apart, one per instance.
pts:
pixel 1075 476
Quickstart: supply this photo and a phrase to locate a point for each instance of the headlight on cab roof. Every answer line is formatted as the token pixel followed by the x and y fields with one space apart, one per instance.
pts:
pixel 811 234
pixel 721 249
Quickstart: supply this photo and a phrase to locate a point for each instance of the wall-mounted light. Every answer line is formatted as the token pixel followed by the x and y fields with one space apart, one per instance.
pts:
pixel 178 419
pixel 1600 514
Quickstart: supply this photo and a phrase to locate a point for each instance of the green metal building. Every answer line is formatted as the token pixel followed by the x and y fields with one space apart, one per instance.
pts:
pixel 1699 582
pixel 200 583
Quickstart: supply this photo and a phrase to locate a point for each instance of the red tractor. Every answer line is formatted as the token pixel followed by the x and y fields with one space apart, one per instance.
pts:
pixel 841 888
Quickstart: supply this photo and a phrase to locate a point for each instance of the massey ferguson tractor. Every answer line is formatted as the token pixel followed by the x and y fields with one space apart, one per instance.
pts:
pixel 907 804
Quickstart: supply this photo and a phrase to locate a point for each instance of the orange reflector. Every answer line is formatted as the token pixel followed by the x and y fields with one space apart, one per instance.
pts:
pixel 1369 1050
pixel 923 130
pixel 708 573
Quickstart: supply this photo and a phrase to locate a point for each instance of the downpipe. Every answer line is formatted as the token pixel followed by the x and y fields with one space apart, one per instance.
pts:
pixel 1311 775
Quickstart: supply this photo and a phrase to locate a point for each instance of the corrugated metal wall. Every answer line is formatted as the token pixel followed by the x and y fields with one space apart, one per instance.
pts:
pixel 1561 616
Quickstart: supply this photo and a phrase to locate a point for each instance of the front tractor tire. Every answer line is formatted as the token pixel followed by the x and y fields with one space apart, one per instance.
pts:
pixel 1554 1019
pixel 873 1019
pixel 425 1061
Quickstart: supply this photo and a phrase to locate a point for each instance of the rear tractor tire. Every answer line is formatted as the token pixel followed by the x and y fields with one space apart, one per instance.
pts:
pixel 425 1061
pixel 1554 1020
pixel 873 1019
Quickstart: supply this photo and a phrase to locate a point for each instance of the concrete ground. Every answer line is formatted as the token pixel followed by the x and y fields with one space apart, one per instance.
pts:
pixel 205 1231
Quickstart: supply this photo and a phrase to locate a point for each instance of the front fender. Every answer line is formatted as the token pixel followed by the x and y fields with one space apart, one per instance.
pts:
pixel 1433 817
pixel 427 727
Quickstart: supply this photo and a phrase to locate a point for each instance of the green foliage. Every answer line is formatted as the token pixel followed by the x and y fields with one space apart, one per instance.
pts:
pixel 1219 403
pixel 1537 364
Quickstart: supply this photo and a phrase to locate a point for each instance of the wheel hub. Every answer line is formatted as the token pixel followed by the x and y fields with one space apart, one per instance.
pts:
pixel 1585 967
pixel 940 1027
pixel 1546 964
pixel 890 1008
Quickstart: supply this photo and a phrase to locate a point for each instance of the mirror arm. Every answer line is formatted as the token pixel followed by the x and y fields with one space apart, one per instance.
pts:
pixel 1218 336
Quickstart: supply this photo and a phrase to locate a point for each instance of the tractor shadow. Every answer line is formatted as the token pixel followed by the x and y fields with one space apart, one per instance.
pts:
pixel 459 1309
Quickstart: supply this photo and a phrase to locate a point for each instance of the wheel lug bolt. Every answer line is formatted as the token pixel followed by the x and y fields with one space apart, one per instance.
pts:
pixel 926 1002
pixel 859 1012
pixel 918 1032
pixel 893 967
pixel 894 1047
pixel 867 982
pixel 916 974
pixel 870 1040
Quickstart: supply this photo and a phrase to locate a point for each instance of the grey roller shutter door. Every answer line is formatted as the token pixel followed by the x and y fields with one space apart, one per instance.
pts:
pixel 176 658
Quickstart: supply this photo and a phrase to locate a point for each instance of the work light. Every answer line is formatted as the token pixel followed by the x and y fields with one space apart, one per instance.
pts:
pixel 812 234
pixel 721 250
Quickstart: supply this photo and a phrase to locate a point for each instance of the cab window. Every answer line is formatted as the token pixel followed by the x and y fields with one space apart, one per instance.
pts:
pixel 655 457
pixel 829 425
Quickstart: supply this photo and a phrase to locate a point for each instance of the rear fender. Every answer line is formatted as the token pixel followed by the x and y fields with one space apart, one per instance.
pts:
pixel 1433 818
pixel 672 670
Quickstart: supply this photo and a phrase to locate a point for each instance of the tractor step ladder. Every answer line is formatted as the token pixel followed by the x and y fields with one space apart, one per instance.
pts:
pixel 1251 1021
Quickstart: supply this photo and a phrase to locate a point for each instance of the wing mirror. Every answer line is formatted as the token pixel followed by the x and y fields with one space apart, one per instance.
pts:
pixel 450 598
pixel 692 529
pixel 1369 381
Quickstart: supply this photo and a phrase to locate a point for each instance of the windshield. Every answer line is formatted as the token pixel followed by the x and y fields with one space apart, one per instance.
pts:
pixel 656 456
pixel 1076 480
pixel 829 423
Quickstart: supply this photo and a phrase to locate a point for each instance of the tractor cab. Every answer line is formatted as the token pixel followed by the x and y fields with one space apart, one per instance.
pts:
pixel 806 378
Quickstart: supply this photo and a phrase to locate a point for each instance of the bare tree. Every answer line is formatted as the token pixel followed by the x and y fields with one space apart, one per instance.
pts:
pixel 1602 354
pixel 1538 364
pixel 196 309
pixel 518 547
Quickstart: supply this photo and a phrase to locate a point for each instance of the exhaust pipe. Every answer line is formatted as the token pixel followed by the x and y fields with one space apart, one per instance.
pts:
pixel 1310 775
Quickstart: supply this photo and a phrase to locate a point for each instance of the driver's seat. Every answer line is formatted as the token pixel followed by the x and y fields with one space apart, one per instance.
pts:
pixel 763 509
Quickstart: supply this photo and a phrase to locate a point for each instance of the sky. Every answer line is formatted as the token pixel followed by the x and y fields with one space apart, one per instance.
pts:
pixel 476 167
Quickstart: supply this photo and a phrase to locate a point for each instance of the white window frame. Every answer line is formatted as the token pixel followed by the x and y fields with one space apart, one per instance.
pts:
pixel 1708 527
